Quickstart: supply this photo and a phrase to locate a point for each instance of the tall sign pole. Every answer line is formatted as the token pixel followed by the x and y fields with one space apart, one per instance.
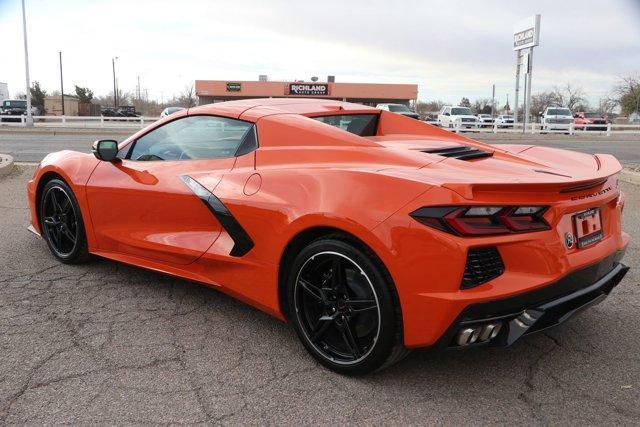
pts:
pixel 61 84
pixel 493 101
pixel 26 66
pixel 517 92
pixel 115 89
pixel 526 35
pixel 527 94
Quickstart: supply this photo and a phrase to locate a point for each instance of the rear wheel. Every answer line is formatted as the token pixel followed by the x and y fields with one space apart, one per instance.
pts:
pixel 343 307
pixel 61 223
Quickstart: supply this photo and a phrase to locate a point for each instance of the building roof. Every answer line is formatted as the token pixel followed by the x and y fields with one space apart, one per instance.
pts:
pixel 258 89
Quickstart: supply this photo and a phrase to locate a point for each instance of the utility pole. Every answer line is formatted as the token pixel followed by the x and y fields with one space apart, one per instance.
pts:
pixel 61 83
pixel 138 88
pixel 26 66
pixel 115 89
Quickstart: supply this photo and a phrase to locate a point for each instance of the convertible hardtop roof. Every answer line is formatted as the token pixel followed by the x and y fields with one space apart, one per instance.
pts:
pixel 253 109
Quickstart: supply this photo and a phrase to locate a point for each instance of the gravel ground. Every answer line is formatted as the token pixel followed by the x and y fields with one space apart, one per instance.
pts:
pixel 105 342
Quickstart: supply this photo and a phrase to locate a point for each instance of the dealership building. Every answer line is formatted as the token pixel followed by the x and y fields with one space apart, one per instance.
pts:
pixel 210 91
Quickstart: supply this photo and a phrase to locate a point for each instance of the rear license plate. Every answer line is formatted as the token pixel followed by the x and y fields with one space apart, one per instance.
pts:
pixel 588 227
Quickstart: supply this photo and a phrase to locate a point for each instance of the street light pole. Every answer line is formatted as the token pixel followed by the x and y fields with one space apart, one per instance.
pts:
pixel 61 84
pixel 26 66
pixel 115 89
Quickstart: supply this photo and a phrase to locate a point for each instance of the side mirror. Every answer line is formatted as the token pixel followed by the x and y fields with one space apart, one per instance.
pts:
pixel 105 149
pixel 447 114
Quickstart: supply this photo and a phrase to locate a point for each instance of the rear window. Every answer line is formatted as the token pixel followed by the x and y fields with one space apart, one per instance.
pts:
pixel 592 115
pixel 559 112
pixel 461 111
pixel 15 104
pixel 358 124
pixel 399 108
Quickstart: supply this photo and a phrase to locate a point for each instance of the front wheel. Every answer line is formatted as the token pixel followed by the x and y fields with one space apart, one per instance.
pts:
pixel 61 223
pixel 344 308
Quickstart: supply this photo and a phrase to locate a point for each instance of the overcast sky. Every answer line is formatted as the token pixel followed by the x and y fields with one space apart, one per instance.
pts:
pixel 449 48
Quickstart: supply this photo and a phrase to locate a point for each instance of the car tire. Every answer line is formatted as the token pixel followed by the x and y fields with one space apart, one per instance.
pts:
pixel 61 223
pixel 350 322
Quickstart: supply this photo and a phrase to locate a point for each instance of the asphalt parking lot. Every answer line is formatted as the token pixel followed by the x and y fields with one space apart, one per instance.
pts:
pixel 109 343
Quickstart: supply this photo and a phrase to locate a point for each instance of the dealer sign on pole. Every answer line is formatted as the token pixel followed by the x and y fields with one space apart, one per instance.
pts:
pixel 526 35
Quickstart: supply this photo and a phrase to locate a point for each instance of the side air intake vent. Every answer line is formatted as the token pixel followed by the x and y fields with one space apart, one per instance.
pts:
pixel 460 153
pixel 483 264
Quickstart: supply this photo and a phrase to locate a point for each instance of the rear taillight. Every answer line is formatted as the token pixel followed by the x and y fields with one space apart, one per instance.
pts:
pixel 483 220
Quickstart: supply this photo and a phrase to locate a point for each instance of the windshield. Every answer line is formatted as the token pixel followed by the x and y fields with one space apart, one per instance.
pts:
pixel 359 124
pixel 592 115
pixel 485 116
pixel 558 112
pixel 399 108
pixel 461 111
pixel 14 104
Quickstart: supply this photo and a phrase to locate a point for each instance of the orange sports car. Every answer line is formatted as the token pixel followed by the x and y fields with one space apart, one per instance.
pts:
pixel 372 233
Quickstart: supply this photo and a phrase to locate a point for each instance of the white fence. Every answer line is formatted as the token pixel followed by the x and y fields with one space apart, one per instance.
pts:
pixel 89 122
pixel 537 128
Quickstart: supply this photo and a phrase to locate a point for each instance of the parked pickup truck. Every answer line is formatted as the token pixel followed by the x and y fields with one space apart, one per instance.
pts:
pixel 590 121
pixel 13 107
pixel 556 118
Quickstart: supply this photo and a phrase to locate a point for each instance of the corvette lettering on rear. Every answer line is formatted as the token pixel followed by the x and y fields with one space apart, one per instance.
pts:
pixel 588 196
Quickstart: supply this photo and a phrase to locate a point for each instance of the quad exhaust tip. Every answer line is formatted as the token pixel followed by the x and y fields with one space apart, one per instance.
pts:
pixel 481 333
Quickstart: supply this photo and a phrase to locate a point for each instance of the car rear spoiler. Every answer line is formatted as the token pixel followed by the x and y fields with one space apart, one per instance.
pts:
pixel 607 167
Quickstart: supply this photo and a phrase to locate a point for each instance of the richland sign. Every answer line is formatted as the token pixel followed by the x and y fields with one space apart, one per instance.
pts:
pixel 526 33
pixel 314 89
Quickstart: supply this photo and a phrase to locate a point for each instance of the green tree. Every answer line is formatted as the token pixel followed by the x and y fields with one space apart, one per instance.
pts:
pixel 628 93
pixel 37 95
pixel 464 102
pixel 84 94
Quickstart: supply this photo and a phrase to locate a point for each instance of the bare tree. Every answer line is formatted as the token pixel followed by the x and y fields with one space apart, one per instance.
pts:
pixel 540 101
pixel 124 98
pixel 608 103
pixel 481 106
pixel 570 96
pixel 187 98
pixel 424 108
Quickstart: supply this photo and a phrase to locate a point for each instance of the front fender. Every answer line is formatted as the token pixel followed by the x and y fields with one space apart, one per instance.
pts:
pixel 75 169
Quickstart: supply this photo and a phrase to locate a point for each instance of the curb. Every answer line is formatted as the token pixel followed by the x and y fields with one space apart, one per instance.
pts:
pixel 630 176
pixel 6 164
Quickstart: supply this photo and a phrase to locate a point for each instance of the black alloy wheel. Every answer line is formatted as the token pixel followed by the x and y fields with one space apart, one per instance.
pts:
pixel 61 222
pixel 343 307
